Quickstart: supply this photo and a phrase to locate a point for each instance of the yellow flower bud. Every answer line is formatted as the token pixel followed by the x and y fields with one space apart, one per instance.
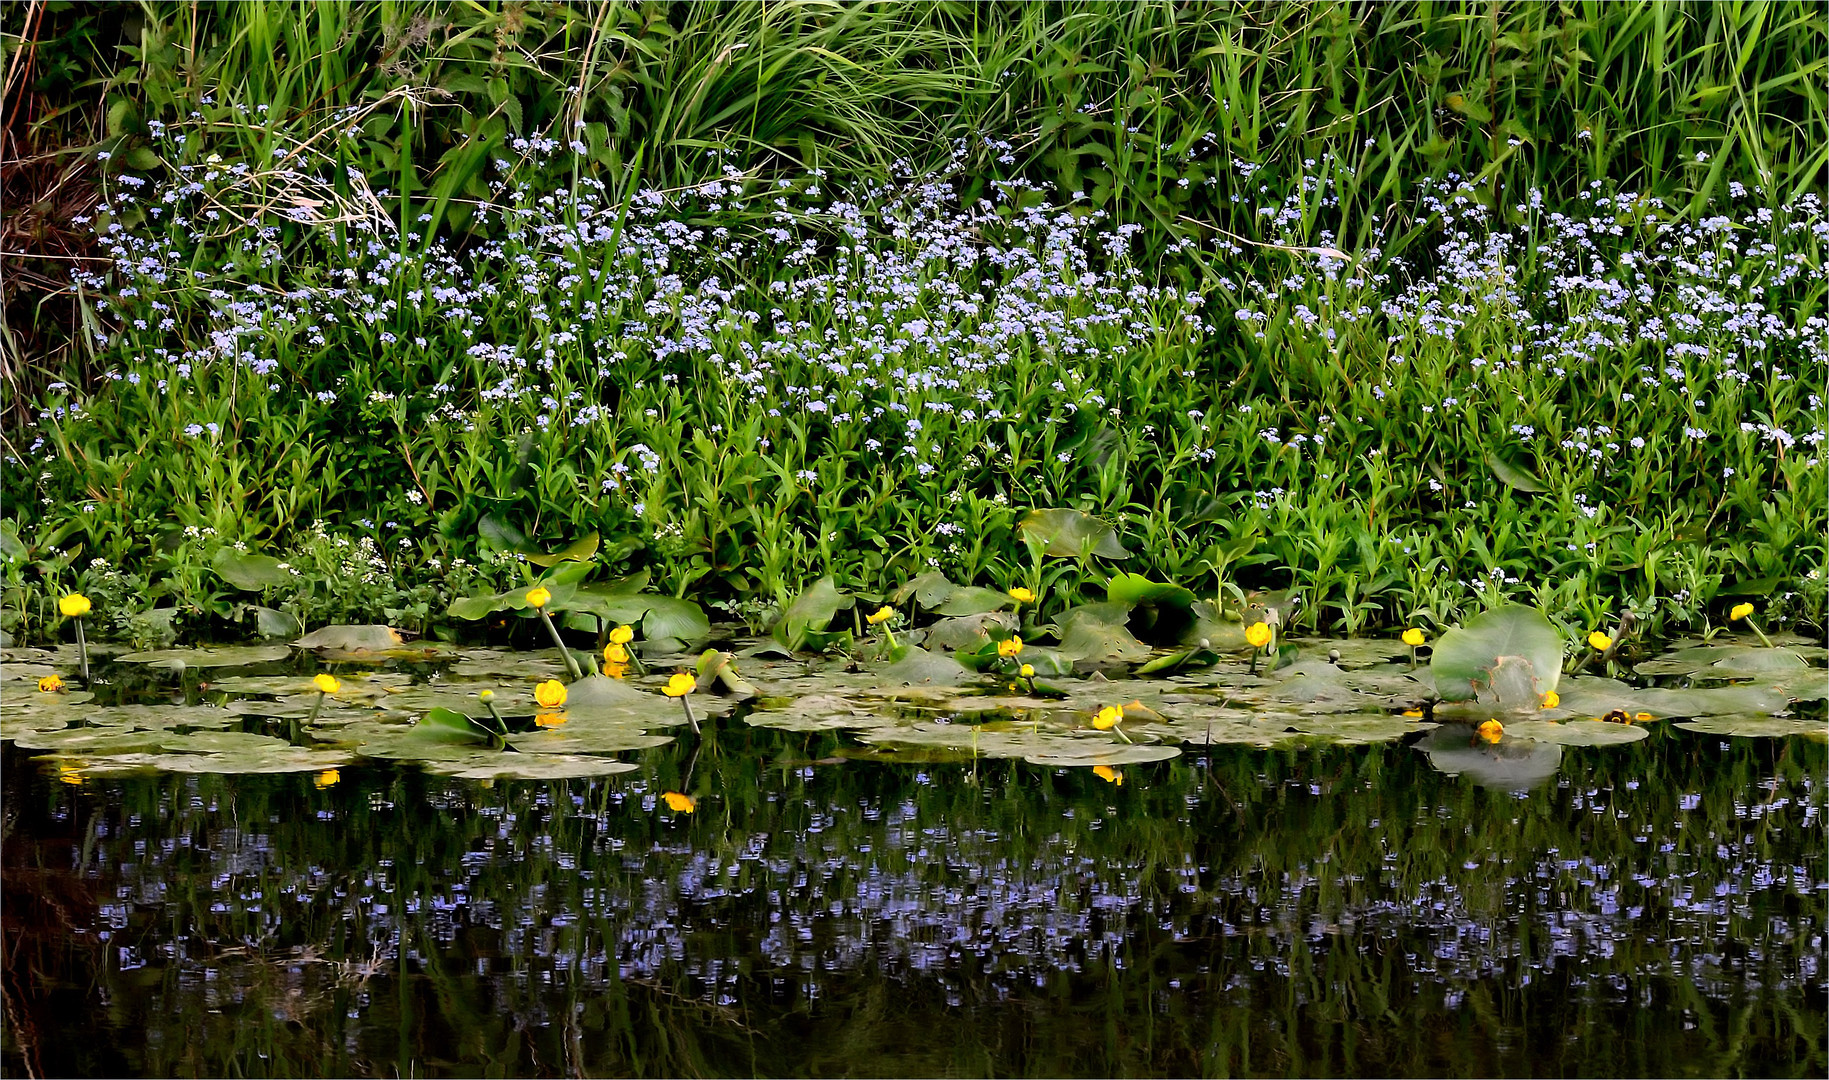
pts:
pixel 615 671
pixel 486 696
pixel 614 653
pixel 1599 642
pixel 1413 637
pixel 880 615
pixel 550 694
pixel 622 635
pixel 680 685
pixel 1740 611
pixel 74 605
pixel 1108 718
pixel 1552 699
pixel 326 683
pixel 1022 595
pixel 1259 635
pixel 1028 671
pixel 539 596
pixel 1009 646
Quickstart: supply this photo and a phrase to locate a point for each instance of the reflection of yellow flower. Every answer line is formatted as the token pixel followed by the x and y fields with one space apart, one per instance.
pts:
pixel 880 615
pixel 549 719
pixel 1551 699
pixel 326 683
pixel 1642 717
pixel 1027 671
pixel 1108 774
pixel 680 685
pixel 680 804
pixel 622 635
pixel 1740 611
pixel 550 694
pixel 615 671
pixel 1413 714
pixel 539 596
pixel 50 684
pixel 1599 642
pixel 614 653
pixel 1492 731
pixel 1108 718
pixel 71 772
pixel 1258 635
pixel 1413 637
pixel 1009 646
pixel 327 778
pixel 73 605
pixel 1022 595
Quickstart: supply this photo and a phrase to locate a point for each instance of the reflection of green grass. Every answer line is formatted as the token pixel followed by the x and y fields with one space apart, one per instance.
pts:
pixel 1297 926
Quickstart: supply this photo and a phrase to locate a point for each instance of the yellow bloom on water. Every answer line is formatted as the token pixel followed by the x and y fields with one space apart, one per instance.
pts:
pixel 326 684
pixel 1413 637
pixel 1740 611
pixel 1022 595
pixel 1009 646
pixel 1108 774
pixel 622 635
pixel 1259 635
pixel 1108 718
pixel 550 694
pixel 1599 642
pixel 73 605
pixel 1552 699
pixel 614 653
pixel 680 685
pixel 1492 731
pixel 680 804
pixel 50 684
pixel 327 778
pixel 539 596
pixel 880 615
pixel 1027 671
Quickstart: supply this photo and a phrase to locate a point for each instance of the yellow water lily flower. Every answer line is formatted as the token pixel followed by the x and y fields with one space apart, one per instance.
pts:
pixel 1739 612
pixel 1551 699
pixel 622 635
pixel 1259 635
pixel 1022 595
pixel 1599 642
pixel 326 683
pixel 550 694
pixel 1108 718
pixel 614 653
pixel 1027 671
pixel 73 605
pixel 1413 637
pixel 50 684
pixel 1108 774
pixel 678 803
pixel 1492 731
pixel 539 596
pixel 680 685
pixel 880 615
pixel 1009 646
pixel 327 778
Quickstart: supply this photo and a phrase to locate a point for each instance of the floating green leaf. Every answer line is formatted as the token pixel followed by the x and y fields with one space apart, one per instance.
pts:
pixel 1510 655
pixel 810 612
pixel 232 656
pixel 1575 732
pixel 1757 727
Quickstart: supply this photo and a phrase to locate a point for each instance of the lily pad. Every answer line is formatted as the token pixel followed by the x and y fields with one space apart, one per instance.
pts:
pixel 1756 727
pixel 1575 732
pixel 1510 655
pixel 916 666
pixel 222 742
pixel 532 767
pixel 285 759
pixel 1069 534
pixel 233 656
pixel 1358 730
pixel 968 632
pixel 370 638
pixel 1088 753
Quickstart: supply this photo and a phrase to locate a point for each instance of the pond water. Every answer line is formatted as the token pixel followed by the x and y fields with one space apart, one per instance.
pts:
pixel 1655 908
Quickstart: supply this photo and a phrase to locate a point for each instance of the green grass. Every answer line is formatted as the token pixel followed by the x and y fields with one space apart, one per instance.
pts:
pixel 1243 141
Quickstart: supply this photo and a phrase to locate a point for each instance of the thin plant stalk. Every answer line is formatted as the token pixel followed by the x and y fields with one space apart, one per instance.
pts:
pixel 82 648
pixel 571 665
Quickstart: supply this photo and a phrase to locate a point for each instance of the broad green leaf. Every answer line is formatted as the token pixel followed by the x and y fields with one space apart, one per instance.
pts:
pixel 974 600
pixel 670 617
pixel 969 632
pixel 232 656
pixel 1511 476
pixel 1070 534
pixel 273 623
pixel 1136 589
pixel 929 590
pixel 447 724
pixel 577 551
pixel 811 611
pixel 916 666
pixel 1575 732
pixel 1757 727
pixel 1465 659
pixel 249 571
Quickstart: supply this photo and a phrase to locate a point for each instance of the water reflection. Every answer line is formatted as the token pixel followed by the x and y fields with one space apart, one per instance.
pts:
pixel 1654 909
pixel 1510 764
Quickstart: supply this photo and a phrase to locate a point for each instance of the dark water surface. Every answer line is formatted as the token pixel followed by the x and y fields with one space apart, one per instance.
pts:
pixel 1655 909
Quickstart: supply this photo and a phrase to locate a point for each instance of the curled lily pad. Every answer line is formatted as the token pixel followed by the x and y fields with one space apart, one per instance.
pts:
pixel 532 767
pixel 1576 732
pixel 1510 656
pixel 968 631
pixel 370 638
pixel 1756 727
